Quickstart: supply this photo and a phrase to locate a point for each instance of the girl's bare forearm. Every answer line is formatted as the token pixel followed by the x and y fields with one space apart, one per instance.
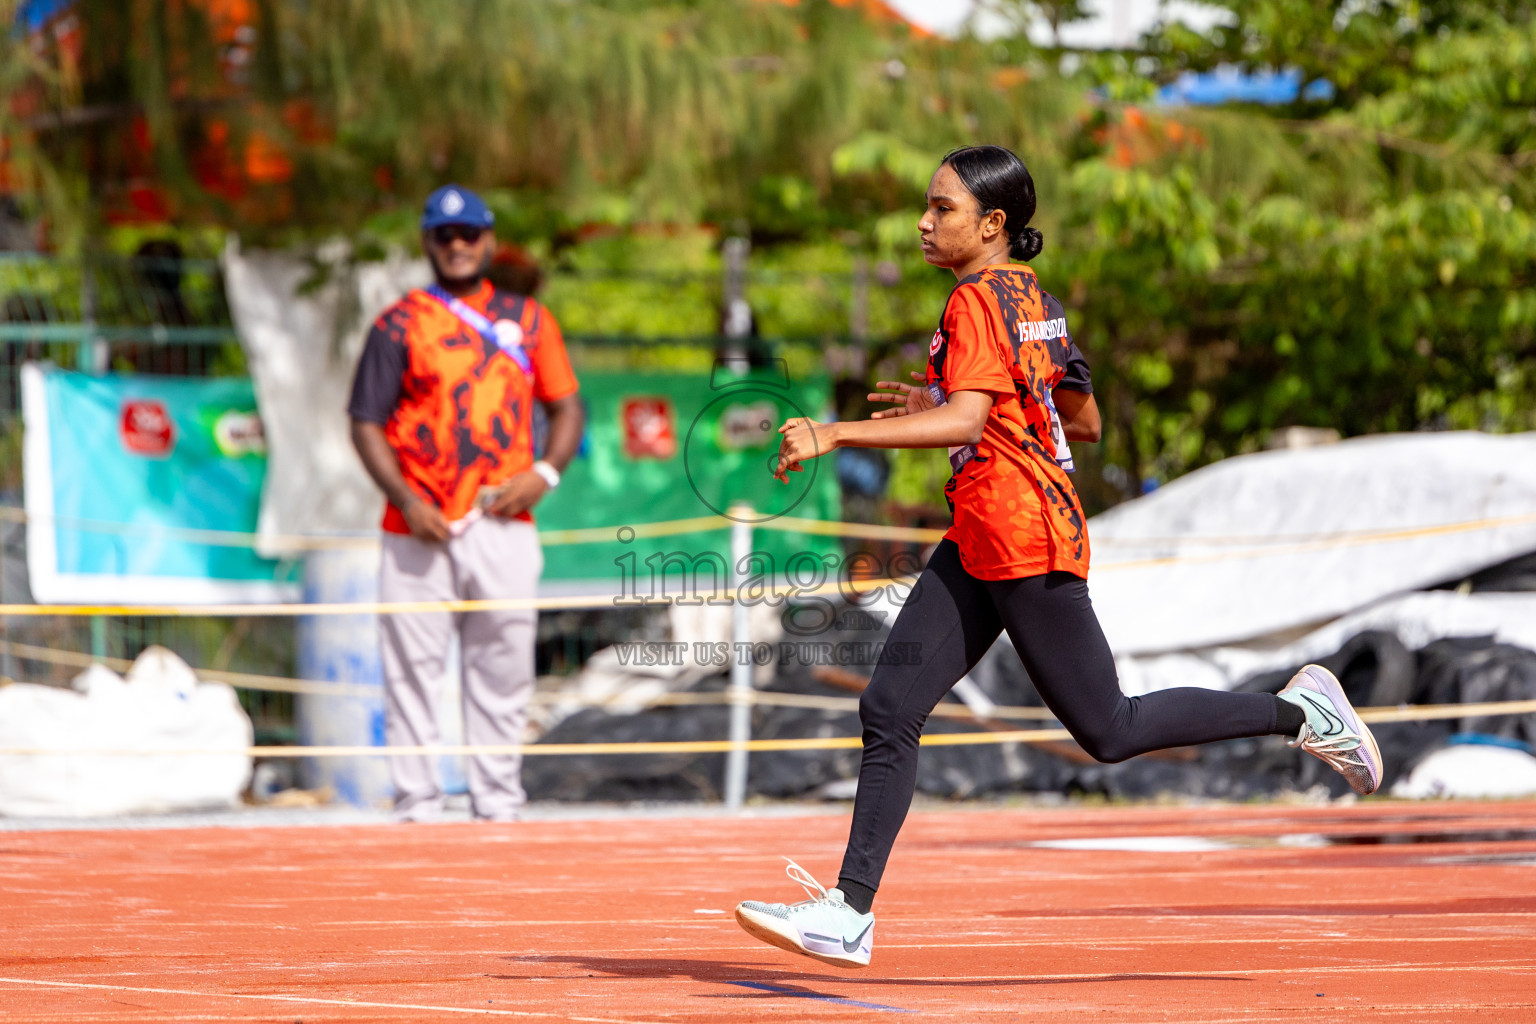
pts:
pixel 947 426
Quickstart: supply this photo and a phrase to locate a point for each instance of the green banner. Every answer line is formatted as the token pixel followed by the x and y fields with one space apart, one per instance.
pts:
pixel 670 446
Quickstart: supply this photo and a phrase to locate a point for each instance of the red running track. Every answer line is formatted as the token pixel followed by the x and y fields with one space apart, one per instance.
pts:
pixel 1378 912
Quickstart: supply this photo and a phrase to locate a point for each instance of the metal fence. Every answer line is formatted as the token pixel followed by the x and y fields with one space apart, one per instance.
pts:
pixel 140 314
pixel 161 315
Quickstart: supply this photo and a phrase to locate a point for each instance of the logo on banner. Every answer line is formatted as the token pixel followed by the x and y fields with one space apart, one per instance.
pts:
pixel 239 433
pixel 650 428
pixel 742 423
pixel 749 425
pixel 146 428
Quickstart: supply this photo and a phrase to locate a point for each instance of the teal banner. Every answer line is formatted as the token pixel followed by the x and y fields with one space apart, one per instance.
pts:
pixel 134 484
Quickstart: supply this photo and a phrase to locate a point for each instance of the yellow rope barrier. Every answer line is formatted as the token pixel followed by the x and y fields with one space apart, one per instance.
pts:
pixel 1262 548
pixel 208 538
pixel 1290 546
pixel 279 684
pixel 321 542
pixel 718 596
pixel 1404 714
pixel 542 749
pixel 813 702
pixel 1431 712
pixel 866 531
pixel 715 596
pixel 241 680
pixel 598 534
pixel 1263 543
pixel 1280 547
pixel 788 524
pixel 280 610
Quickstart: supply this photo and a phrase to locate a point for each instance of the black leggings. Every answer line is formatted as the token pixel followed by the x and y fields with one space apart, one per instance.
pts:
pixel 952 617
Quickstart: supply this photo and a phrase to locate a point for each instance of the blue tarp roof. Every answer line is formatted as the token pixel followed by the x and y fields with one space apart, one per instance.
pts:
pixel 34 14
pixel 1231 85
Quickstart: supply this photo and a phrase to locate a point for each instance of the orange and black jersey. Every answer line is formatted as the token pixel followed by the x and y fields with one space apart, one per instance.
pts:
pixel 1015 510
pixel 458 410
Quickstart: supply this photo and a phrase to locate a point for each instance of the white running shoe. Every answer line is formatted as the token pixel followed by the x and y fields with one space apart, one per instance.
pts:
pixel 1333 731
pixel 823 927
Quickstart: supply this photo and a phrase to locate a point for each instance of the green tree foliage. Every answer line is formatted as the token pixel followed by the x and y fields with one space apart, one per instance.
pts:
pixel 1364 263
pixel 1363 259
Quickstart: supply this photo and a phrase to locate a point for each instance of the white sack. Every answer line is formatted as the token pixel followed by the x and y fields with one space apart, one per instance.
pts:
pixel 160 706
pixel 1262 543
pixel 302 345
pixel 1470 771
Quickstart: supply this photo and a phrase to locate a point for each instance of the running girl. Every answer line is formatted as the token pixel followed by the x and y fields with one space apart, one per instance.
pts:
pixel 1004 391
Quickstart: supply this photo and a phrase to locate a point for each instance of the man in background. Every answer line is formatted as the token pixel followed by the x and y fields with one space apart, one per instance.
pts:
pixel 442 417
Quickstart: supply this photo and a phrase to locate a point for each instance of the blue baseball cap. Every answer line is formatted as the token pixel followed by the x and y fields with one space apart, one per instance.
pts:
pixel 452 204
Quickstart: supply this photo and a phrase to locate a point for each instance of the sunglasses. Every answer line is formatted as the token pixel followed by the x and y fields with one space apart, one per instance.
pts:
pixel 444 234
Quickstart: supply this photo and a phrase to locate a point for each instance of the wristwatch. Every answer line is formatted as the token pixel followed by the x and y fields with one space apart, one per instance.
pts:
pixel 550 474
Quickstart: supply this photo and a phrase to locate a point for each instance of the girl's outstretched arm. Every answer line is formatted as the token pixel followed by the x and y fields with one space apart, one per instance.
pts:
pixel 958 422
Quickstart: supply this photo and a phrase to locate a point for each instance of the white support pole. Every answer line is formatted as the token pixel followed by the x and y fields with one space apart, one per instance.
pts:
pixel 741 663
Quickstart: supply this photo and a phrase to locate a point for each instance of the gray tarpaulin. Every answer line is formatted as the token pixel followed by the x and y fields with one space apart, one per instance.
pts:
pixel 1261 545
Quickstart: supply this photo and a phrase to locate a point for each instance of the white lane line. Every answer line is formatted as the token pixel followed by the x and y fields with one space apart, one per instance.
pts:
pixel 503 922
pixel 1121 943
pixel 507 923
pixel 1362 968
pixel 1412 1012
pixel 1521 920
pixel 316 1001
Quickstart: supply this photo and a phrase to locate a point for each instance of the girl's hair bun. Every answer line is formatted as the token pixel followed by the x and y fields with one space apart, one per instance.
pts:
pixel 1026 245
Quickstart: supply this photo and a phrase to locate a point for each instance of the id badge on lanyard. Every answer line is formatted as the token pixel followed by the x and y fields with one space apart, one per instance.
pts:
pixel 472 319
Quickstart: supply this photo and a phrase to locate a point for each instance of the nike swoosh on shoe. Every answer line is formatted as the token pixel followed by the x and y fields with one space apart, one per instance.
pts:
pixel 849 946
pixel 1335 723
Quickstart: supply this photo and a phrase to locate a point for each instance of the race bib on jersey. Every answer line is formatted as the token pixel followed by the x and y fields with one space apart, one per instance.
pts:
pixel 1059 437
pixel 958 457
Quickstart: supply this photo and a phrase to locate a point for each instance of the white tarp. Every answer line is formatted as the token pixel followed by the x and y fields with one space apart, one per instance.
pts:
pixel 302 341
pixel 158 706
pixel 1278 541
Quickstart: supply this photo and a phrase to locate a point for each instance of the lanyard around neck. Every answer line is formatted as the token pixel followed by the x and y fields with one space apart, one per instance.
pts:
pixel 476 322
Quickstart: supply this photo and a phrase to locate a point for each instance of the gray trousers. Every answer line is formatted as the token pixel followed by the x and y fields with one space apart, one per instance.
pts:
pixel 493 558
